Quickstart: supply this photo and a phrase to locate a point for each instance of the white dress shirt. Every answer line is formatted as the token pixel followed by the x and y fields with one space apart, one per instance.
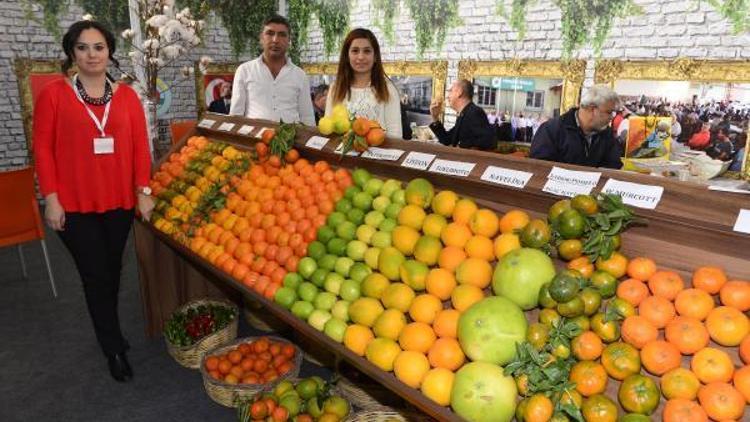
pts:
pixel 256 94
pixel 364 103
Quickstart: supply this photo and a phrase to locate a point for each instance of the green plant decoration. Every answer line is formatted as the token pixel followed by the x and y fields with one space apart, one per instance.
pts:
pixel 51 11
pixel 517 17
pixel 590 20
pixel 433 19
pixel 243 22
pixel 333 16
pixel 199 8
pixel 299 13
pixel 384 12
pixel 114 14
pixel 737 11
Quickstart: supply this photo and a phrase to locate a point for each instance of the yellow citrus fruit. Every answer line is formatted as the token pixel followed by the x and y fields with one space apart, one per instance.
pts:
pixel 417 336
pixel 444 202
pixel 464 211
pixel 505 243
pixel 446 353
pixel 357 337
pixel 513 220
pixel 411 368
pixel 365 311
pixel 484 222
pixel 479 246
pixel 465 295
pixel 446 323
pixel 404 238
pixel 455 234
pixel 440 282
pixel 433 225
pixel 374 285
pixel 474 271
pixel 382 352
pixel 437 385
pixel 389 324
pixel 397 296
pixel 450 257
pixel 427 250
pixel 424 308
pixel 412 216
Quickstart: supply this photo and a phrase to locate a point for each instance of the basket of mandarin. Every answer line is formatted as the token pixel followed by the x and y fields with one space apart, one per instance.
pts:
pixel 237 371
pixel 199 326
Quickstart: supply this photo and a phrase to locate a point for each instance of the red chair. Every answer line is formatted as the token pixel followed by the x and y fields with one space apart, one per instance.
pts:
pixel 178 129
pixel 20 221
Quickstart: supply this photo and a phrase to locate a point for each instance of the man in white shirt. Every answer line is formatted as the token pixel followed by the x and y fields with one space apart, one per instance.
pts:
pixel 271 87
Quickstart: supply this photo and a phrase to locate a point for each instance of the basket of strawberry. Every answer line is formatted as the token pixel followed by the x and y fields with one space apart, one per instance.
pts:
pixel 198 327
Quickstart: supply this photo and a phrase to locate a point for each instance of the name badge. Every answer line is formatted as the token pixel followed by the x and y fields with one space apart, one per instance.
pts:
pixel 105 145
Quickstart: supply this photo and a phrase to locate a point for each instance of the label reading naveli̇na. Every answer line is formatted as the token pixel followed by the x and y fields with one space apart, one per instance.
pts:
pixel 570 183
pixel 506 177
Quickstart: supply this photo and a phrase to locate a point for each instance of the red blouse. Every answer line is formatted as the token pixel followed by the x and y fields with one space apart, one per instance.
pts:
pixel 63 143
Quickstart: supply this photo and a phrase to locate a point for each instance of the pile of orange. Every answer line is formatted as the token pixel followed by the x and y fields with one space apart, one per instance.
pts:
pixel 256 362
pixel 270 217
pixel 712 310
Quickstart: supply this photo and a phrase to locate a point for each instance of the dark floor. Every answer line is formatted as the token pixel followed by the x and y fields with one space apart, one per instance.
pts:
pixel 52 368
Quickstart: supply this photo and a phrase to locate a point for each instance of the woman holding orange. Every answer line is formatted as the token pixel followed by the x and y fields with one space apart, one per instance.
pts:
pixel 362 85
pixel 93 164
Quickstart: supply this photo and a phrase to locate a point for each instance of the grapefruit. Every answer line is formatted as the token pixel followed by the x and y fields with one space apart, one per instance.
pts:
pixel 481 392
pixel 489 330
pixel 520 274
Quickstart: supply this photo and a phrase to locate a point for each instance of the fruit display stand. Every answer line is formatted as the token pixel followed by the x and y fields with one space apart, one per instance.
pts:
pixel 690 226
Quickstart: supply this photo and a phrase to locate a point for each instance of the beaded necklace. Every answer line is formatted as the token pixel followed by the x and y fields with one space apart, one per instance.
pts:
pixel 95 101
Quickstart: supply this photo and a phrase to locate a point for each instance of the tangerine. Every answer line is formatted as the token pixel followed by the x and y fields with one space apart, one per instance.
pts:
pixel 687 334
pixel 411 367
pixel 641 268
pixel 660 357
pixel 437 385
pixel 710 279
pixel 657 310
pixel 683 410
pixel 694 303
pixel 590 377
pixel 680 383
pixel 587 346
pixel 484 222
pixel 446 323
pixel 741 381
pixel 721 401
pixel 425 307
pixel 440 282
pixel 736 294
pixel 638 331
pixel 446 353
pixel 633 291
pixel 666 284
pixel 513 220
pixel 712 365
pixel 450 257
pixel 727 326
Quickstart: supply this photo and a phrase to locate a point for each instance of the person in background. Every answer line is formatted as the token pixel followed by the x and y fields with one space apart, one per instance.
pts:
pixel 721 148
pixel 739 156
pixel 701 140
pixel 472 129
pixel 491 117
pixel 221 105
pixel 529 128
pixel 406 126
pixel 319 98
pixel 92 160
pixel 582 135
pixel 362 85
pixel 271 87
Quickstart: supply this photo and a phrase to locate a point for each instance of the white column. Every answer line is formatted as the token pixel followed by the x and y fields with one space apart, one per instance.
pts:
pixel 140 73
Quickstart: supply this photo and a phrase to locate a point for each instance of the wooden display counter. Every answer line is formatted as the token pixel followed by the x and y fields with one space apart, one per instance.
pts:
pixel 690 227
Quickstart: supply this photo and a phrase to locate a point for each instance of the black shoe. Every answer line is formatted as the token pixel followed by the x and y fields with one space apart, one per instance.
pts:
pixel 119 367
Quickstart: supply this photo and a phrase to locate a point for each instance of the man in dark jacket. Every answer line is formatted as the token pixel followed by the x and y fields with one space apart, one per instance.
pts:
pixel 472 129
pixel 582 135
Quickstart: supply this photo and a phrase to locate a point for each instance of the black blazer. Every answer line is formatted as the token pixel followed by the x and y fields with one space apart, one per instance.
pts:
pixel 472 130
pixel 219 106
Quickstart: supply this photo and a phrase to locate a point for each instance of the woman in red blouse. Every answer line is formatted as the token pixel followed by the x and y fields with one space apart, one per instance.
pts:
pixel 93 164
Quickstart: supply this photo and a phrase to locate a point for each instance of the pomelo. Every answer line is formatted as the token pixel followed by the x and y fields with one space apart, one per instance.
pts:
pixel 489 330
pixel 520 274
pixel 481 392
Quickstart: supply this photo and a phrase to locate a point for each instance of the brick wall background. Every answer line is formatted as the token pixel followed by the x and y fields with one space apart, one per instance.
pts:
pixel 668 29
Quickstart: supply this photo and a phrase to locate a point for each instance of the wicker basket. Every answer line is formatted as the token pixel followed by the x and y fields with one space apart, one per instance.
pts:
pixel 262 321
pixel 376 397
pixel 386 416
pixel 230 395
pixel 190 356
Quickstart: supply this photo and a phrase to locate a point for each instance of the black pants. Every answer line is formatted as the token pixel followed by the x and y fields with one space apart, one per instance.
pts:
pixel 97 241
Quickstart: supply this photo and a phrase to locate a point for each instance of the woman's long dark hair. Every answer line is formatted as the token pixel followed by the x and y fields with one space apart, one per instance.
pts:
pixel 345 73
pixel 71 37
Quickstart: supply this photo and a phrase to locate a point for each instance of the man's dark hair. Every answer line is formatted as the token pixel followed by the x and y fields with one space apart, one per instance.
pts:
pixel 467 88
pixel 276 18
pixel 320 90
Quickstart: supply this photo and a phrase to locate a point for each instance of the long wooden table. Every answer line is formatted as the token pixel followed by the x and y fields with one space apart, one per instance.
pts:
pixel 692 226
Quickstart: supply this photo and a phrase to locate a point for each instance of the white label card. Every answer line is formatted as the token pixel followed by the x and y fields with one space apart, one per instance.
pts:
pixel 340 148
pixel 386 154
pixel 506 177
pixel 207 123
pixel 418 160
pixel 563 182
pixel 635 194
pixel 316 142
pixel 452 168
pixel 245 130
pixel 105 145
pixel 226 126
pixel 743 222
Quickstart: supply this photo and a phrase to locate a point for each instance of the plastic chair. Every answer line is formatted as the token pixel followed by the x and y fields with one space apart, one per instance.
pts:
pixel 178 129
pixel 20 221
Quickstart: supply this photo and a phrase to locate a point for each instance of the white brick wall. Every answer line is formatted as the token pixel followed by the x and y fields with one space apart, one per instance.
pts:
pixel 671 28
